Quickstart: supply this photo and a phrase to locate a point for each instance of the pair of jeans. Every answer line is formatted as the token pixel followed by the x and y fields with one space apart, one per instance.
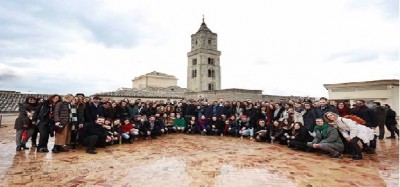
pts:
pixel 18 136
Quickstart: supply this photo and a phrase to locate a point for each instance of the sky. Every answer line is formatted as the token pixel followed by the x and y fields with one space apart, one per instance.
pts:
pixel 283 47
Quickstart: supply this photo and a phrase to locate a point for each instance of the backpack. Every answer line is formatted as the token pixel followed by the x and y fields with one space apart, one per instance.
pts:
pixel 356 119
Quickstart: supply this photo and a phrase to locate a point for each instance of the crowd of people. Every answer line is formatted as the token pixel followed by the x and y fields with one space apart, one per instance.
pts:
pixel 335 128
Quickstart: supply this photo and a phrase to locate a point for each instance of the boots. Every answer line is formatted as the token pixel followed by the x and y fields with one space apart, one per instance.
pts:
pixel 56 149
pixel 19 148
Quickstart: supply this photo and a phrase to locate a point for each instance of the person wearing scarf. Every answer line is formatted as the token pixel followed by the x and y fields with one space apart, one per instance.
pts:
pixel 327 139
pixel 63 119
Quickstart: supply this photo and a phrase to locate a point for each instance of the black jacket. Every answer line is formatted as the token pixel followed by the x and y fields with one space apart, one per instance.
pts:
pixel 309 118
pixel 93 129
pixel 391 117
pixel 366 114
pixel 322 110
pixel 43 112
pixel 92 112
pixel 302 135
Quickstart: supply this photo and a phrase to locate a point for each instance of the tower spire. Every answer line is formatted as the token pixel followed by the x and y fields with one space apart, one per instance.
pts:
pixel 203 18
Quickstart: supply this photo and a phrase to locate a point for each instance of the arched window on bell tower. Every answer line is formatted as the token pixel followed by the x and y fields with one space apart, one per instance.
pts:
pixel 211 86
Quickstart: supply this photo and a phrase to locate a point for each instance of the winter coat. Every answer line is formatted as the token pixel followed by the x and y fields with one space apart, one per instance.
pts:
pixel 207 111
pixel 332 139
pixel 380 114
pixel 277 115
pixel 92 112
pixel 93 129
pixel 309 118
pixel 43 113
pixel 62 113
pixel 366 114
pixel 350 128
pixel 391 117
pixel 302 135
pixel 322 110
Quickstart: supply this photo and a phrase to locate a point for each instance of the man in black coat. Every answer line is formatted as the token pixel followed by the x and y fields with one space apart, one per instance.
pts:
pixel 380 112
pixel 324 107
pixel 152 128
pixel 309 117
pixel 367 114
pixel 93 110
pixel 93 134
pixel 391 122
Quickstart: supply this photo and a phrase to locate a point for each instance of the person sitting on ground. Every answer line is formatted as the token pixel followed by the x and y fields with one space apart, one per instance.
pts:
pixel 179 123
pixel 191 125
pixel 214 126
pixel 276 131
pixel 299 137
pixel 246 129
pixel 152 128
pixel 93 134
pixel 116 130
pixel 202 124
pixel 327 139
pixel 263 131
pixel 128 131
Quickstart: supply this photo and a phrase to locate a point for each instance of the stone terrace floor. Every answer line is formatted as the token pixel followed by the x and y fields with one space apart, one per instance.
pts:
pixel 193 160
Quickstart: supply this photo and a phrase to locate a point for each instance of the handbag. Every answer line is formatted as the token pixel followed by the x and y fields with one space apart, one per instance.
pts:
pixel 24 136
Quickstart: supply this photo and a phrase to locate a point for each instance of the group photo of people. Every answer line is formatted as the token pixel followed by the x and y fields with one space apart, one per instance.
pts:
pixel 331 127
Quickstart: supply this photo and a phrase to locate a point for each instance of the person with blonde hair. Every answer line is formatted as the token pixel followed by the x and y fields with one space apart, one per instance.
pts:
pixel 63 119
pixel 356 135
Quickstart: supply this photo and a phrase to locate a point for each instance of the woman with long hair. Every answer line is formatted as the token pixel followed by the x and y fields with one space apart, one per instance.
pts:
pixel 44 118
pixel 63 119
pixel 356 135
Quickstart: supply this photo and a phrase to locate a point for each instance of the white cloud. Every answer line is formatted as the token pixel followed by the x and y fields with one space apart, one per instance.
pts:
pixel 281 47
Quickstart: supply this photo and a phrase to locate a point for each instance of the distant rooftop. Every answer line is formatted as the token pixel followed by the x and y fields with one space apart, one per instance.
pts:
pixel 157 74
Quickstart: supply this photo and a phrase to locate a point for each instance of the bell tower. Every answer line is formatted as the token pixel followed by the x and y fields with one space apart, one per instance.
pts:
pixel 204 70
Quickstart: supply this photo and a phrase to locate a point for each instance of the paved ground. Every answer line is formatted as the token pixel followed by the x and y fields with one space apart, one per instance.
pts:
pixel 185 160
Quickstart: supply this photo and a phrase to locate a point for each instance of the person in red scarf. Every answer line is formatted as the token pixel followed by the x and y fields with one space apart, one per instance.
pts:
pixel 343 109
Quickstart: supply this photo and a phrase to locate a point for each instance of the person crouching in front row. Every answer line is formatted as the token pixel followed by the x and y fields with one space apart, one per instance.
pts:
pixel 299 137
pixel 128 131
pixel 94 134
pixel 179 123
pixel 152 128
pixel 327 139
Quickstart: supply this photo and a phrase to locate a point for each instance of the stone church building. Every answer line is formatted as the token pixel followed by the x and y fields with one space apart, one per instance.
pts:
pixel 203 77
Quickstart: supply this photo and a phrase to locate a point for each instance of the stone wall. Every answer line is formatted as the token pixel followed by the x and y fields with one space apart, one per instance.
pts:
pixel 226 94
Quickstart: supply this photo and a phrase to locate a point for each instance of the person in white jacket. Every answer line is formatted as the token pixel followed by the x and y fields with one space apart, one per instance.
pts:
pixel 356 134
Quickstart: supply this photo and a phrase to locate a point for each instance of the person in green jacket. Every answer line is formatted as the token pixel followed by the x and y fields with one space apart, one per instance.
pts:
pixel 179 123
pixel 327 139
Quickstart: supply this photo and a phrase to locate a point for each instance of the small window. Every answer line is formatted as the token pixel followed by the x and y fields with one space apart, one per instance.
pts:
pixel 212 73
pixel 194 61
pixel 194 73
pixel 209 41
pixel 210 86
pixel 210 61
pixel 196 42
pixel 209 73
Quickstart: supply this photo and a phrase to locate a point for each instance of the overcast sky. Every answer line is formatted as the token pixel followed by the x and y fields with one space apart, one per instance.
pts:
pixel 280 47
